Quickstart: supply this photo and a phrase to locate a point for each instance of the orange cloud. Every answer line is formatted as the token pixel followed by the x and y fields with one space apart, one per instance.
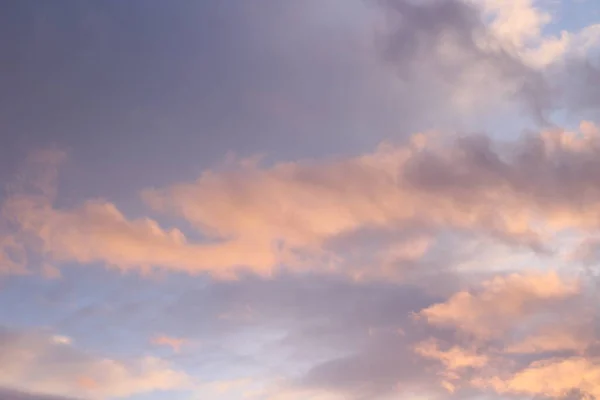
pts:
pixel 87 383
pixel 99 232
pixel 554 337
pixel 454 361
pixel 174 343
pixel 501 303
pixel 470 184
pixel 454 358
pixel 542 315
pixel 260 220
pixel 554 378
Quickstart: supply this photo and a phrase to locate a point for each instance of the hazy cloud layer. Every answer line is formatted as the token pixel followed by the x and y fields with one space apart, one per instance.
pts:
pixel 15 395
pixel 50 364
pixel 285 200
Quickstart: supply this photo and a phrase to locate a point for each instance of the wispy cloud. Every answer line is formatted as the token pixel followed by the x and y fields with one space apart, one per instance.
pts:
pixel 38 361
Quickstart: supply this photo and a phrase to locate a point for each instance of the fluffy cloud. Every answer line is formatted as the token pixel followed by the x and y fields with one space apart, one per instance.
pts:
pixel 573 335
pixel 567 61
pixel 36 362
pixel 510 191
pixel 361 343
pixel 555 378
pixel 482 54
pixel 502 303
pixel 295 215
pixel 518 22
pixel 453 358
pixel 536 335
pixel 470 64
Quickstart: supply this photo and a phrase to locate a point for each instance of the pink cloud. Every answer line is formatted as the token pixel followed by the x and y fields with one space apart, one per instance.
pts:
pixel 174 343
pixel 500 304
pixel 265 219
pixel 40 363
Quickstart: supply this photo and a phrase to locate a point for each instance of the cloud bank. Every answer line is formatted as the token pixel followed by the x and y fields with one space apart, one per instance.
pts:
pixel 380 199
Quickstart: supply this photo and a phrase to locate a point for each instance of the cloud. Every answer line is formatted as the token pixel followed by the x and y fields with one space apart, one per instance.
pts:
pixel 98 232
pixel 565 62
pixel 573 335
pixel 555 378
pixel 174 343
pixel 321 82
pixel 453 358
pixel 362 343
pixel 448 43
pixel 301 340
pixel 252 389
pixel 7 394
pixel 36 361
pixel 263 219
pixel 535 335
pixel 332 336
pixel 519 22
pixel 510 191
pixel 313 269
pixel 297 216
pixel 502 303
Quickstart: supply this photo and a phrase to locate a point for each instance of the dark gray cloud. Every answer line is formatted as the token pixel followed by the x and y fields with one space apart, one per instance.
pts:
pixel 144 84
pixel 419 30
pixel 580 86
pixel 551 169
pixel 385 367
pixel 143 90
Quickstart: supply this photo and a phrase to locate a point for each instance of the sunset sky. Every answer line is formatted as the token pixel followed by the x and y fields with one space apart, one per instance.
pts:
pixel 300 199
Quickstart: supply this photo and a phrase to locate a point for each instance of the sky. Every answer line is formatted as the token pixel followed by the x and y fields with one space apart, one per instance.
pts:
pixel 300 200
